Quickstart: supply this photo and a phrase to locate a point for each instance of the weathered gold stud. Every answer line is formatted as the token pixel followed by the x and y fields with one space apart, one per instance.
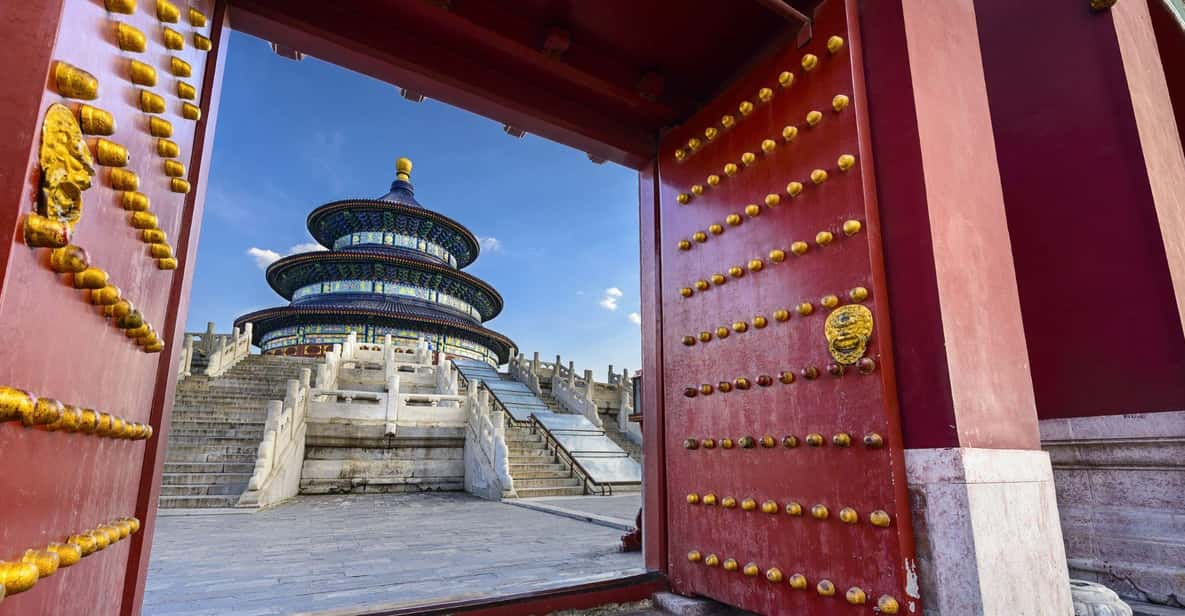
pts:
pixel 752 210
pixel 824 238
pixel 712 560
pixel 858 294
pixel 723 387
pixel 694 556
pixel 789 133
pixel 699 236
pixel 706 389
pixel 705 336
pixel 69 259
pixel 95 121
pixel 110 154
pixel 887 605
pixel 774 575
pixel 810 373
pixel 690 392
pixel 693 498
pixel 179 67
pixel 786 79
pixel 834 45
pixel 190 111
pixel 745 108
pixel 708 443
pixel 713 180
pixel 90 278
pixel 130 320
pixel 770 507
pixel 68 420
pixel 751 570
pixel 727 121
pixel 68 553
pixel 186 91
pixel 684 245
pixel 805 308
pixel 777 255
pixel 845 162
pixel 160 127
pixel 765 95
pixel 721 332
pixel 736 271
pixel 836 370
pixel 799 248
pixel 151 103
pixel 781 315
pixel 174 169
pixel 772 200
pixel 694 144
pixel 741 383
pixel 851 227
pixel 793 508
pixel 702 285
pixel 847 515
pixel 715 229
pixel 44 411
pixel 842 439
pixel 197 18
pixel 680 155
pixel 814 439
pixel 730 564
pixel 829 301
pixel 760 322
pixel 748 158
pixel 126 7
pixel 748 504
pixel 85 541
pixel 768 146
pixel 728 502
pixel 103 428
pixel 879 519
pixel 718 279
pixel 740 327
pixel 166 264
pixel 872 440
pixel 790 441
pixel 730 169
pixel 839 103
pixel 106 296
pixel 813 117
pixel 143 220
pixel 747 442
pixel 119 309
pixel 809 62
pixel 686 292
pixel 818 176
pixel 167 12
pixel 697 189
pixel 88 421
pixel 769 442
pixel 727 443
pixel 794 189
pixel 798 581
pixel 129 38
pixel 687 340
pixel 141 74
pixel 17 577
pixel 825 588
pixel 786 377
pixel 856 596
pixel 756 265
pixel 765 380
pixel 173 39
pixel 691 443
pixel 710 133
pixel 733 219
pixel 710 499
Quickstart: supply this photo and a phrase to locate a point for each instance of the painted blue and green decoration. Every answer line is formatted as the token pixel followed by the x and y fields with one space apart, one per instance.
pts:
pixel 392 268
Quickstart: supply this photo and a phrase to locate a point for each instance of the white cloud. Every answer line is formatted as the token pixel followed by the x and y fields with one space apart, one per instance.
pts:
pixel 609 301
pixel 491 244
pixel 265 257
pixel 262 256
pixel 635 318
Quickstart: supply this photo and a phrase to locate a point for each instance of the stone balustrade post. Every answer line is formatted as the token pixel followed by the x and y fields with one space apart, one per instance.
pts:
pixel 187 356
pixel 555 373
pixel 589 384
pixel 392 414
pixel 571 374
pixel 535 363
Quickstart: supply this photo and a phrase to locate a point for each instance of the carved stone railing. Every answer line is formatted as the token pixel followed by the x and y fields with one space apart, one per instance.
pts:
pixel 185 363
pixel 577 399
pixel 487 459
pixel 230 351
pixel 281 453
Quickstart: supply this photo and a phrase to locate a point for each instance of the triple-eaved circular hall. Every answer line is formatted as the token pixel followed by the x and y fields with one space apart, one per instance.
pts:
pixel 392 267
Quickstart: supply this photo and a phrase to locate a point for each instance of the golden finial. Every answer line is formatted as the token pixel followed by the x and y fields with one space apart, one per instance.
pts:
pixel 403 169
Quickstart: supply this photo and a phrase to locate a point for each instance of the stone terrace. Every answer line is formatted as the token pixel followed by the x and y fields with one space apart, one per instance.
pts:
pixel 327 552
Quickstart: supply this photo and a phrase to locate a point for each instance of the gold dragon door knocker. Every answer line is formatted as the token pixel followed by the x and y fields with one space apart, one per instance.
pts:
pixel 848 330
pixel 66 170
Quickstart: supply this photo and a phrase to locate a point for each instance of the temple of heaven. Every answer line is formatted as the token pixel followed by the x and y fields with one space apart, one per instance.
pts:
pixel 392 268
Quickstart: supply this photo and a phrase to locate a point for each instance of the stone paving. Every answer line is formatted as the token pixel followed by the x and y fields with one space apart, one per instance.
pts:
pixel 623 507
pixel 328 552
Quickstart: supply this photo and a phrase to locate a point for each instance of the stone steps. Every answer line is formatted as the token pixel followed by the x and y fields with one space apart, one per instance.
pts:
pixel 186 479
pixel 186 468
pixel 212 489
pixel 549 482
pixel 541 492
pixel 195 502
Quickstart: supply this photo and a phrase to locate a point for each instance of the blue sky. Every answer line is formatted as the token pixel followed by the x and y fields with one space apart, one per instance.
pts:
pixel 560 233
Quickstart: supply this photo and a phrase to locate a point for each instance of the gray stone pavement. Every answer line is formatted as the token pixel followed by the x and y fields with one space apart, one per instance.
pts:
pixel 623 507
pixel 330 552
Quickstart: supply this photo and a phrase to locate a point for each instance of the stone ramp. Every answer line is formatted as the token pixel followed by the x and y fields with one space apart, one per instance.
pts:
pixel 217 425
pixel 574 439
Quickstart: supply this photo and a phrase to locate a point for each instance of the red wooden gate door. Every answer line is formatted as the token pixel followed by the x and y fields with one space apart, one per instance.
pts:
pixel 104 115
pixel 786 489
